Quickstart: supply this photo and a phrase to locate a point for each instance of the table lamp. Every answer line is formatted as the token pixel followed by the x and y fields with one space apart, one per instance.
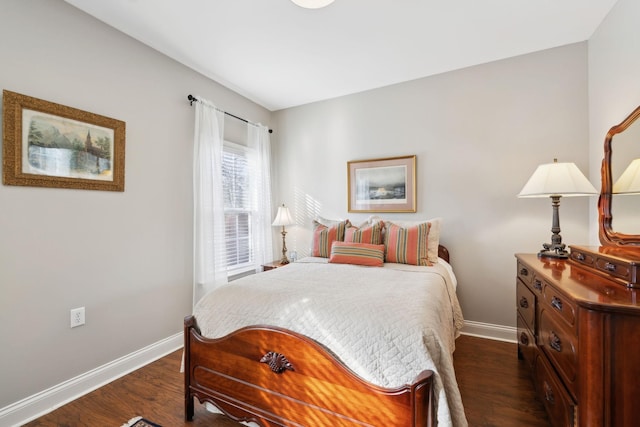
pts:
pixel 556 180
pixel 283 218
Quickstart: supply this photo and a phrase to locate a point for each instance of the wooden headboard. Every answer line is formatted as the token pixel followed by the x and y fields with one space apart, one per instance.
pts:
pixel 443 253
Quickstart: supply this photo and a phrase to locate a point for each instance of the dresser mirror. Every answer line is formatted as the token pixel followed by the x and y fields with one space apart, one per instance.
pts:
pixel 619 206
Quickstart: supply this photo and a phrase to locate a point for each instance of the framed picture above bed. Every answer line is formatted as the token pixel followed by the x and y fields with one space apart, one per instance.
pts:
pixel 382 185
pixel 52 145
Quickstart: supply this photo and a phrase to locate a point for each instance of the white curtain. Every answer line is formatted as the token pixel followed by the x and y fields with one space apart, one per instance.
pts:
pixel 209 266
pixel 260 143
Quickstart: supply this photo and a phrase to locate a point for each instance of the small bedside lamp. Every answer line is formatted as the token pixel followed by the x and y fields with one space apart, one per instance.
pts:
pixel 555 180
pixel 283 218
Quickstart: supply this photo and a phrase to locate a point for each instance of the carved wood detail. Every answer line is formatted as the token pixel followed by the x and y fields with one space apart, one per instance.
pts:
pixel 277 362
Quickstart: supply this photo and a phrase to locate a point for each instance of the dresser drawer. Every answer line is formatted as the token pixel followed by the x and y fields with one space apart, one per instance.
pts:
pixel 525 273
pixel 559 405
pixel 559 304
pixel 536 285
pixel 561 345
pixel 582 257
pixel 526 305
pixel 621 270
pixel 526 343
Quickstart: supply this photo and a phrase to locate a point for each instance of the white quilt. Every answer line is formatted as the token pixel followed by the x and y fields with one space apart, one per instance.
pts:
pixel 387 324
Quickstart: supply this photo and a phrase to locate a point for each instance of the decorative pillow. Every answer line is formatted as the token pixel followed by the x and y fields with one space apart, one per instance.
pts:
pixel 326 221
pixel 357 253
pixel 324 236
pixel 433 238
pixel 371 234
pixel 407 245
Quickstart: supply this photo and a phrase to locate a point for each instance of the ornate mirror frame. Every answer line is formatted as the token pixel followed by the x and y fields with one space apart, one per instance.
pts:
pixel 609 237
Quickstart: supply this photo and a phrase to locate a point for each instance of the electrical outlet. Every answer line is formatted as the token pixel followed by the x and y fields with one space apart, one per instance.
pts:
pixel 77 317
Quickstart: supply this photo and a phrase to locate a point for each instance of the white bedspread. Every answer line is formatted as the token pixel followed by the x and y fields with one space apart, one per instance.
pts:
pixel 387 324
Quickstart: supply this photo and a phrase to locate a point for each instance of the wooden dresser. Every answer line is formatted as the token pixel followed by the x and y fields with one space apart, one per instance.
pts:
pixel 579 333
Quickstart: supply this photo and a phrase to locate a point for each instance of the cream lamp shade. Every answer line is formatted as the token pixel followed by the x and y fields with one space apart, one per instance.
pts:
pixel 629 181
pixel 283 218
pixel 557 180
pixel 312 4
pixel 560 179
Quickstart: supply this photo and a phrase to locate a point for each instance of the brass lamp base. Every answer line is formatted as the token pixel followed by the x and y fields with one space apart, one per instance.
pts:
pixel 284 259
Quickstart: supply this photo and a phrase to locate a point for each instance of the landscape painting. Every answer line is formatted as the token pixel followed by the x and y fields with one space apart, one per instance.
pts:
pixel 382 185
pixel 57 146
pixel 52 145
pixel 386 185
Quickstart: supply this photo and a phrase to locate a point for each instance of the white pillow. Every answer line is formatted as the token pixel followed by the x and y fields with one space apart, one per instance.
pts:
pixel 328 222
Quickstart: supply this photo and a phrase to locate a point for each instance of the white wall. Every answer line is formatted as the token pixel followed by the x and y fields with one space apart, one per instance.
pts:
pixel 126 257
pixel 478 133
pixel 614 82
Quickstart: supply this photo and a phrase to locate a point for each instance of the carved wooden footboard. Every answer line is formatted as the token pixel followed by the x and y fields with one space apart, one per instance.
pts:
pixel 276 377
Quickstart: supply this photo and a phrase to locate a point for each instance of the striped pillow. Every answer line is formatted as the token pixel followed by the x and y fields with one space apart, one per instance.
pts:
pixel 357 253
pixel 371 234
pixel 434 233
pixel 324 236
pixel 407 245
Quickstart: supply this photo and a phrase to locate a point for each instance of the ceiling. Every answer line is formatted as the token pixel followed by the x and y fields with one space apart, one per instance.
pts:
pixel 280 55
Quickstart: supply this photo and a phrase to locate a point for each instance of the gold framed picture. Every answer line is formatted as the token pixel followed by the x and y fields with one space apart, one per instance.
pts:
pixel 382 185
pixel 51 145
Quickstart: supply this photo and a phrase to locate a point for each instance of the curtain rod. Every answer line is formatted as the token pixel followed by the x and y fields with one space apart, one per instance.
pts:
pixel 193 99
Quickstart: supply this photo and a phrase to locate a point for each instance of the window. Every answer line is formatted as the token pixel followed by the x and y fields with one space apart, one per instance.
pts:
pixel 238 209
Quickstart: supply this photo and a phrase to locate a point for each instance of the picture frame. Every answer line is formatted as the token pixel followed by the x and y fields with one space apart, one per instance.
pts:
pixel 382 185
pixel 51 145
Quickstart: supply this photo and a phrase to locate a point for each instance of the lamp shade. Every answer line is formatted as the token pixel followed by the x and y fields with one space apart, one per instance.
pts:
pixel 629 181
pixel 557 179
pixel 312 4
pixel 283 217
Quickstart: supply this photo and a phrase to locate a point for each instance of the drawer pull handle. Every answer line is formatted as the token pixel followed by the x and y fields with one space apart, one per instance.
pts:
pixel 538 285
pixel 524 339
pixel 524 272
pixel 554 342
pixel 556 303
pixel 548 393
pixel 610 267
pixel 580 256
pixel 524 303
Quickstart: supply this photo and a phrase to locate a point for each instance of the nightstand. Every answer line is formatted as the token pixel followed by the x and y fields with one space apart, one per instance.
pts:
pixel 272 265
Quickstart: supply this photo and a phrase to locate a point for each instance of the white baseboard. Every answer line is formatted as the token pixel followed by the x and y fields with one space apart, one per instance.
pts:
pixel 41 403
pixel 493 332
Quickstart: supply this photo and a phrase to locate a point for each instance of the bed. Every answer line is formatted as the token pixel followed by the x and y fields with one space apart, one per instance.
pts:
pixel 258 352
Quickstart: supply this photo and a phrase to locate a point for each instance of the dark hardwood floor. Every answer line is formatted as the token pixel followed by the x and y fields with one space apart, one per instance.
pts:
pixel 496 391
pixel 496 387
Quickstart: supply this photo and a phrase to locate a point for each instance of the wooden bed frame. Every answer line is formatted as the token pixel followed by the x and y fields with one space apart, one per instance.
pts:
pixel 276 377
